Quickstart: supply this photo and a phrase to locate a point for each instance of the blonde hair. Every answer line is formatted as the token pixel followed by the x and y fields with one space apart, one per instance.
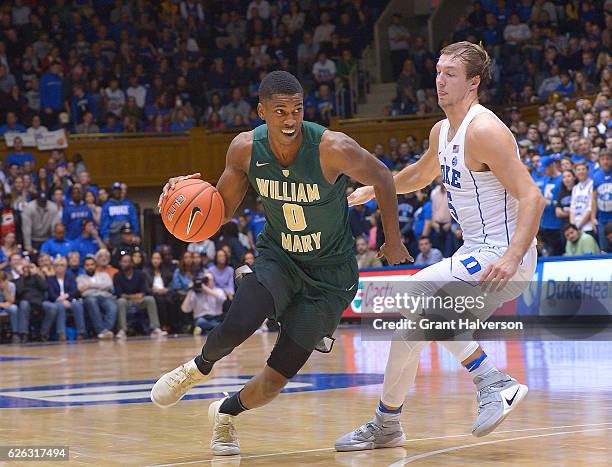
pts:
pixel 475 58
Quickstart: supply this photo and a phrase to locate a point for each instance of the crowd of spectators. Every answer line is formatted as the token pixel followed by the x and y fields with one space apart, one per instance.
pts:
pixel 539 48
pixel 72 265
pixel 102 66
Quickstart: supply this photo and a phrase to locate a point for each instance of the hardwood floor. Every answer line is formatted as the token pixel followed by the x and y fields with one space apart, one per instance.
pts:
pixel 93 397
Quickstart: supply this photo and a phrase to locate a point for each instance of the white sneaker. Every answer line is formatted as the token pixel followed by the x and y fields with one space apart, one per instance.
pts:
pixel 172 386
pixel 158 333
pixel 106 334
pixel 498 395
pixel 121 334
pixel 224 440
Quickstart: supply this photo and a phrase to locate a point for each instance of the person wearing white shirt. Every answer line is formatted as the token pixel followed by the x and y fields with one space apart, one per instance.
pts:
pixel 324 69
pixel 15 263
pixel 262 7
pixel 37 130
pixel 192 8
pixel 399 45
pixel 604 119
pixel 137 91
pixel 115 97
pixel 205 246
pixel 516 32
pixel 582 194
pixel 205 300
pixel 324 30
pixel 539 7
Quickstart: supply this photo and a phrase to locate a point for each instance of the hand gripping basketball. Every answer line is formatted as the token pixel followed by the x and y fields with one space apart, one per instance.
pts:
pixel 191 209
pixel 170 185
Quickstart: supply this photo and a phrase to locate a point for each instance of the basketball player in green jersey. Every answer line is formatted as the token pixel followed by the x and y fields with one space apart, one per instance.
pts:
pixel 306 274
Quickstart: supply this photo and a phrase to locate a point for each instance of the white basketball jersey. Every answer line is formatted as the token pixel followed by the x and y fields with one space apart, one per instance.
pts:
pixel 486 212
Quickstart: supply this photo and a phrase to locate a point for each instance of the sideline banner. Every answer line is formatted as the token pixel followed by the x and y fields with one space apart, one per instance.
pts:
pixel 562 286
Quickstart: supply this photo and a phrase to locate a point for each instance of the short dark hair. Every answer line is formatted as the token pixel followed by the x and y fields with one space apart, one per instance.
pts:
pixel 424 237
pixel 570 226
pixel 279 82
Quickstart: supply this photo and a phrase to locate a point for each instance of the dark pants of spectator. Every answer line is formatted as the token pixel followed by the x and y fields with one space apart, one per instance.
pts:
pixel 397 61
pixel 603 239
pixel 36 245
pixel 443 241
pixel 180 322
pixel 51 314
pixel 169 312
pixel 148 302
pixel 76 308
pixel 207 322
pixel 552 237
pixel 114 240
pixel 13 312
pixel 49 119
pixel 102 311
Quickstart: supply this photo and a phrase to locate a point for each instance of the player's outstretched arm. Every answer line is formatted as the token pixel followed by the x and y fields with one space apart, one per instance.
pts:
pixel 410 178
pixel 341 154
pixel 488 141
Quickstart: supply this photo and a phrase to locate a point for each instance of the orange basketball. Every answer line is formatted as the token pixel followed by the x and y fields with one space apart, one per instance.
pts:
pixel 193 210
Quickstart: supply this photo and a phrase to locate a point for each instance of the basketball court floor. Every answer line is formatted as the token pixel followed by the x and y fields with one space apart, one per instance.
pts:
pixel 93 397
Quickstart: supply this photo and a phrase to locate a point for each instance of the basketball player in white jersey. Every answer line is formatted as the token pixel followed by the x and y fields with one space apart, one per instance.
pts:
pixel 498 207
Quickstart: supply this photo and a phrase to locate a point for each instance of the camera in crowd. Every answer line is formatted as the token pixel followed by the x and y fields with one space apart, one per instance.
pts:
pixel 198 282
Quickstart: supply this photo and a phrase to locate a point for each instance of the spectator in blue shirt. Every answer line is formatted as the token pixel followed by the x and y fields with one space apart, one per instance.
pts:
pixel 80 103
pixel 57 245
pixel 89 242
pixel 112 124
pixel 601 212
pixel 550 225
pixel 566 87
pixel 359 221
pixel 491 34
pixel 11 125
pixel 51 94
pixel 422 216
pixel 75 212
pixel 326 104
pixel 115 213
pixel 379 152
pixel 257 221
pixel 181 122
pixel 18 156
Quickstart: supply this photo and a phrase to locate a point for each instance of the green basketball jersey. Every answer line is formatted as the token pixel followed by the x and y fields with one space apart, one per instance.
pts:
pixel 305 215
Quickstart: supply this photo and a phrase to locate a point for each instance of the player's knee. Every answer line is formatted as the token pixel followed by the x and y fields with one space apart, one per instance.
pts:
pixel 288 357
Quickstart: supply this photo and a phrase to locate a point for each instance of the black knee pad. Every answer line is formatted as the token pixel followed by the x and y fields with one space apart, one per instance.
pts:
pixel 288 357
